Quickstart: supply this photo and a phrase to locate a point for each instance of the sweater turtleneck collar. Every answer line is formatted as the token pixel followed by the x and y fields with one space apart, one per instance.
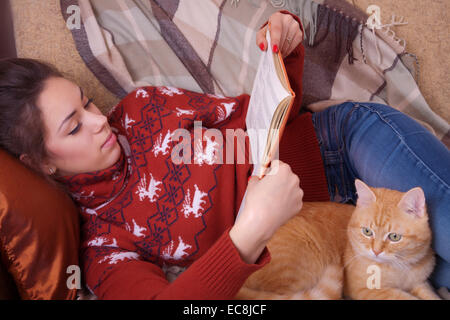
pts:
pixel 94 190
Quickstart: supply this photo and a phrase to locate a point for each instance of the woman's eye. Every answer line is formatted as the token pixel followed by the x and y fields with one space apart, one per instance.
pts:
pixel 394 237
pixel 367 232
pixel 88 103
pixel 77 128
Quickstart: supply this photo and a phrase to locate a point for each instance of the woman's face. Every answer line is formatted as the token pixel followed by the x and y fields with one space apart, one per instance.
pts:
pixel 76 130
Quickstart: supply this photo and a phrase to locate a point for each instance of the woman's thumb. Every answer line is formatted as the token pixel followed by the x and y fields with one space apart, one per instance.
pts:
pixel 274 166
pixel 252 179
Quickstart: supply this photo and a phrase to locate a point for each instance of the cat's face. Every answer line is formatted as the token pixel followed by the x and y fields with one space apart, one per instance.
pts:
pixel 389 226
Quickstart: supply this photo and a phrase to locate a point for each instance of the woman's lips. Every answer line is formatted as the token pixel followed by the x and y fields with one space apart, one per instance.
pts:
pixel 110 141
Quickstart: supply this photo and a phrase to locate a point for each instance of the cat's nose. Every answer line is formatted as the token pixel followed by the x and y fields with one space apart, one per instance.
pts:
pixel 376 252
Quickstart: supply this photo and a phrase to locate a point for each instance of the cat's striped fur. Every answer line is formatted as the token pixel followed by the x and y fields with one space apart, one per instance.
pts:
pixel 306 256
pixel 312 250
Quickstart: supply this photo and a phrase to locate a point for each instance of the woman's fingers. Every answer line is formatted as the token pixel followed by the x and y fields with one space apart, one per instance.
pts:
pixel 286 22
pixel 293 38
pixel 285 34
pixel 261 41
pixel 276 32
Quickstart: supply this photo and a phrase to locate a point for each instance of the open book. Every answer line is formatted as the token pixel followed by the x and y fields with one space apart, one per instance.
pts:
pixel 268 110
pixel 270 103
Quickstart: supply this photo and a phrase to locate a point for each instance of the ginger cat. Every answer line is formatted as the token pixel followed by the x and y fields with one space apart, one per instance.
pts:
pixel 306 256
pixel 388 253
pixel 310 251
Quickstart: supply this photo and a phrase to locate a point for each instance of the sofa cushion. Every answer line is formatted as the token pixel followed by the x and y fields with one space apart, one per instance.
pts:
pixel 8 290
pixel 39 232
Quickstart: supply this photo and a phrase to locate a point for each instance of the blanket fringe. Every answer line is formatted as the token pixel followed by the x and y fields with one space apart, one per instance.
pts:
pixel 321 18
pixel 385 30
pixel 313 14
pixel 345 28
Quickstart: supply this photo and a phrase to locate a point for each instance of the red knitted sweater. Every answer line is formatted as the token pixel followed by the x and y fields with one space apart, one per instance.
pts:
pixel 147 219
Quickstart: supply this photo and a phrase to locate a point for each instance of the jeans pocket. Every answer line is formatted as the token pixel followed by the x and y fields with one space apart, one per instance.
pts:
pixel 328 130
pixel 339 178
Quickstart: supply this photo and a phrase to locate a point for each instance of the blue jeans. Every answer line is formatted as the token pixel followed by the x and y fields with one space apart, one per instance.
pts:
pixel 386 148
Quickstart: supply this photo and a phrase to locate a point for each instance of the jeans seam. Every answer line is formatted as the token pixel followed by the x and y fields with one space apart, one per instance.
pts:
pixel 386 121
pixel 340 170
pixel 318 134
pixel 322 148
pixel 340 149
pixel 347 119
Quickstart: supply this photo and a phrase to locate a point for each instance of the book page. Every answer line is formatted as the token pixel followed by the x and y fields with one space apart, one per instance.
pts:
pixel 266 95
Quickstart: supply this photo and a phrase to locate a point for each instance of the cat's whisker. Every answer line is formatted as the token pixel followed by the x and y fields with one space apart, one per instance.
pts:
pixel 354 257
pixel 402 259
pixel 400 263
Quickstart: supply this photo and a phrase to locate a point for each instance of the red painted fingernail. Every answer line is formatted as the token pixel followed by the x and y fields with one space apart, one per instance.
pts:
pixel 275 48
pixel 261 46
pixel 249 178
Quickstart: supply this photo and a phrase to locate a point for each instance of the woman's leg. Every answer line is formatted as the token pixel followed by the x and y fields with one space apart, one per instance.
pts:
pixel 386 148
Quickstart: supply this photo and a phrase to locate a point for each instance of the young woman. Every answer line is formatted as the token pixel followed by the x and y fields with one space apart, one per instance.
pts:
pixel 154 228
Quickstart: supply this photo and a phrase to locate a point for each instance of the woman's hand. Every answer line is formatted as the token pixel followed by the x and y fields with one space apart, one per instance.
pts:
pixel 285 34
pixel 269 203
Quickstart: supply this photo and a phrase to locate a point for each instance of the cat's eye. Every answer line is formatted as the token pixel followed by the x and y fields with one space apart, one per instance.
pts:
pixel 367 232
pixel 394 237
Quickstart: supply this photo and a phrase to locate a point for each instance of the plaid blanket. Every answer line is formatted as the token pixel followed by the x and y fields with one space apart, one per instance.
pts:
pixel 209 46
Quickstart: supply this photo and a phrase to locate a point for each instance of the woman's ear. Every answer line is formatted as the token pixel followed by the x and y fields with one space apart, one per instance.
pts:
pixel 25 159
pixel 46 167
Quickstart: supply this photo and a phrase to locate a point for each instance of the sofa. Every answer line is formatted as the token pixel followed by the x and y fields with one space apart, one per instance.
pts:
pixel 39 225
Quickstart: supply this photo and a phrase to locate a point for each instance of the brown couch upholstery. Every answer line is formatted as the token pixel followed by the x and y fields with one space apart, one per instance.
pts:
pixel 39 224
pixel 7 49
pixel 8 289
pixel 39 234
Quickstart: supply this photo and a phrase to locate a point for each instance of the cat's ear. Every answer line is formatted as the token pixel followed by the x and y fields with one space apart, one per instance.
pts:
pixel 365 196
pixel 413 202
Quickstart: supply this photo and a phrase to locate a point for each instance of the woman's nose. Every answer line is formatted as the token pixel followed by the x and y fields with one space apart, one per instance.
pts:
pixel 99 121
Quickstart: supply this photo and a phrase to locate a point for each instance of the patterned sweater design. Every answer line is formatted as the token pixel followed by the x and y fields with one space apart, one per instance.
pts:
pixel 154 229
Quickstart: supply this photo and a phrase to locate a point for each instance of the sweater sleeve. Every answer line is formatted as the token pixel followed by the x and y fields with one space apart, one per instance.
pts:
pixel 184 107
pixel 294 68
pixel 118 273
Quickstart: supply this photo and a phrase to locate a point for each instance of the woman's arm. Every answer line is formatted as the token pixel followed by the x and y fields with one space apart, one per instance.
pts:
pixel 116 271
pixel 119 272
pixel 270 203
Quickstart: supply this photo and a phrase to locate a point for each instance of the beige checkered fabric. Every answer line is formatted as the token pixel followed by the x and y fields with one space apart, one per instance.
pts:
pixel 209 46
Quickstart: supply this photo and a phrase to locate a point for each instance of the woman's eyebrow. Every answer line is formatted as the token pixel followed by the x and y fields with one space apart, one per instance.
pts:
pixel 73 112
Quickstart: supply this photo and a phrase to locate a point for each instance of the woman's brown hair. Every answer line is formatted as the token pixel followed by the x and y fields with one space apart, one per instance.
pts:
pixel 22 129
